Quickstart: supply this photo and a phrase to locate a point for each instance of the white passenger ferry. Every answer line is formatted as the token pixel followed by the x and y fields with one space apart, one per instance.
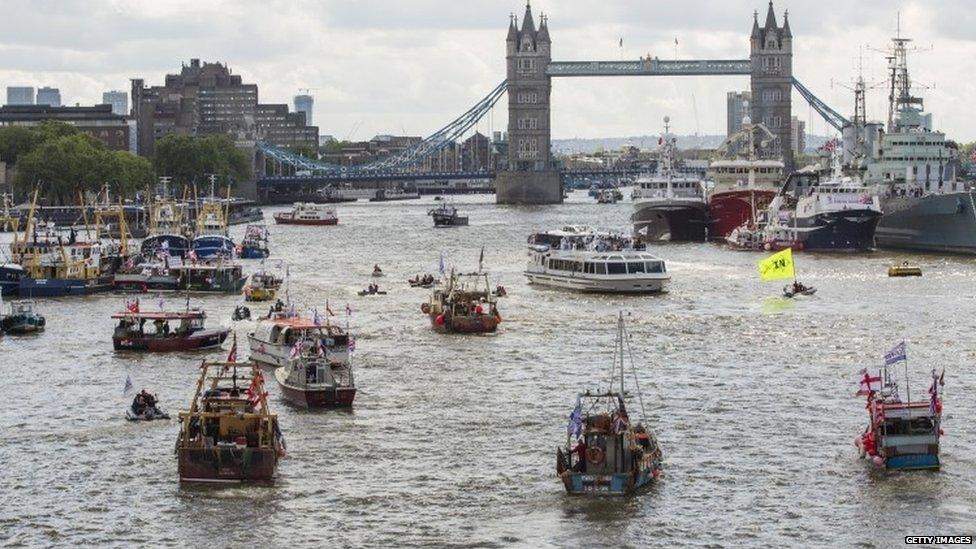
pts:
pixel 582 259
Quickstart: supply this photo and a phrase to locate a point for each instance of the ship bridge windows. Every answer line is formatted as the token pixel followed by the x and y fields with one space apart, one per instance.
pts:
pixel 635 267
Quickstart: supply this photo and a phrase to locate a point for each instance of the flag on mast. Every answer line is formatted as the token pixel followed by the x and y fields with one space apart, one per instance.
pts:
pixel 441 268
pixel 896 354
pixel 481 258
pixel 777 266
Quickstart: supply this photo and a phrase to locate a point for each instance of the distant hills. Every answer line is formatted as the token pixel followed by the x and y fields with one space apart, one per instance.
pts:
pixel 583 145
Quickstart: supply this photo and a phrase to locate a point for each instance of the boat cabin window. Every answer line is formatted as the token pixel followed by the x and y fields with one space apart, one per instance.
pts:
pixel 655 266
pixel 601 268
pixel 616 267
pixel 635 267
pixel 916 426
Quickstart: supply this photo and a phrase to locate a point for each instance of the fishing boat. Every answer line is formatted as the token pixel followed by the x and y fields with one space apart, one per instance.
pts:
pixel 273 339
pixel 585 260
pixel 228 435
pixel 747 175
pixel 446 215
pixel 901 434
pixel 211 240
pixel 669 205
pixel 10 275
pixel 171 330
pixel 255 243
pixel 166 227
pixel 147 274
pixel 217 277
pixel 21 317
pixel 318 375
pixel 605 452
pixel 905 268
pixel 263 286
pixel 466 305
pixel 307 213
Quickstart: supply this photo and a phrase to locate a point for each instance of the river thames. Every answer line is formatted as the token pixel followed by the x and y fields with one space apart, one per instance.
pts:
pixel 452 439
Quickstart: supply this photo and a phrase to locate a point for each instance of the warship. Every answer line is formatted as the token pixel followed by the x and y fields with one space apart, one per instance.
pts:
pixel 913 168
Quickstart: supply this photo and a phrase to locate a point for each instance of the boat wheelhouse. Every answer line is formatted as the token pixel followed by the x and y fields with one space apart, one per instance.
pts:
pixel 466 305
pixel 274 339
pixel 219 277
pixel 170 331
pixel 211 238
pixel 228 435
pixel 263 286
pixel 582 259
pixel 307 213
pixel 446 215
pixel 147 275
pixel 314 381
pixel 21 317
pixel 166 229
pixel 605 452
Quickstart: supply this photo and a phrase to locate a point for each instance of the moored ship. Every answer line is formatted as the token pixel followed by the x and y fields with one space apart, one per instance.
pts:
pixel 926 207
pixel 745 180
pixel 228 435
pixel 669 205
pixel 582 259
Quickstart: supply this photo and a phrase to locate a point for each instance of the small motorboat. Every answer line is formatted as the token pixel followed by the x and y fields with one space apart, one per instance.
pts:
pixel 263 286
pixel 318 381
pixel 446 215
pixel 425 281
pixel 144 408
pixel 242 312
pixel 373 289
pixel 21 318
pixel 377 272
pixel 798 289
pixel 905 269
pixel 255 243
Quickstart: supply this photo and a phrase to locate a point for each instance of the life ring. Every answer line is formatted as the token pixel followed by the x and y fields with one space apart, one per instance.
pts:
pixel 425 308
pixel 595 455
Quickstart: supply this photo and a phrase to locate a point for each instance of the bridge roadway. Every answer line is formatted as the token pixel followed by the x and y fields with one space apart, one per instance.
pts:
pixel 651 67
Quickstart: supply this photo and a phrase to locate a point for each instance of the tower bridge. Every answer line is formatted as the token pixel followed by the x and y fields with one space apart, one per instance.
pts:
pixel 532 177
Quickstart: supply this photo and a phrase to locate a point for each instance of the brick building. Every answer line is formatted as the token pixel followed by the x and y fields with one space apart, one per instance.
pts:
pixel 207 99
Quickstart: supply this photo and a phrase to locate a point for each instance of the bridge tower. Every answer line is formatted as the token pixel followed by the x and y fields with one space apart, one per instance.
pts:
pixel 771 53
pixel 531 177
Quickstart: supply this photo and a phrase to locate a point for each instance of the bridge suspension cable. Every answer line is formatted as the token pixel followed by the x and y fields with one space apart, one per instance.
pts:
pixel 405 159
pixel 830 115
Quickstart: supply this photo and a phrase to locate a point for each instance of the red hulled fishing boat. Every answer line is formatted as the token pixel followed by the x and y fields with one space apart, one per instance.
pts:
pixel 170 331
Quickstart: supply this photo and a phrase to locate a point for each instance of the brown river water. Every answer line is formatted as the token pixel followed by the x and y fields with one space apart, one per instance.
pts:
pixel 452 438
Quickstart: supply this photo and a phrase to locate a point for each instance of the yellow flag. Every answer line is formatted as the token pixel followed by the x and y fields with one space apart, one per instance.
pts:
pixel 777 266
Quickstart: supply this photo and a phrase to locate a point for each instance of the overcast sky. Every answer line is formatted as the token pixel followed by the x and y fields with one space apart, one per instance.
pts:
pixel 410 66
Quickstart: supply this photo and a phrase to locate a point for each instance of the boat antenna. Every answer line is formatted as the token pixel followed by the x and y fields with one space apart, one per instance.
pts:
pixel 633 368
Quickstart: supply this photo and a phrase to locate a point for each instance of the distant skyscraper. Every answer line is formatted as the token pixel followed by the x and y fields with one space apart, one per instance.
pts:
pixel 303 103
pixel 49 96
pixel 20 95
pixel 737 105
pixel 798 134
pixel 119 101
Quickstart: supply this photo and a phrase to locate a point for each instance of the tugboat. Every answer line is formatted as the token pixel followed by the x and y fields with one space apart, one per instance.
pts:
pixel 669 205
pixel 900 434
pixel 446 215
pixel 188 333
pixel 319 375
pixel 273 340
pixel 307 213
pixel 22 318
pixel 263 286
pixel 228 435
pixel 255 243
pixel 466 305
pixel 605 453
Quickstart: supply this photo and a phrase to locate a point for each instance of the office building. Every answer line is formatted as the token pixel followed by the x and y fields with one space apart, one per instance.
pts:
pixel 119 101
pixel 20 95
pixel 303 103
pixel 737 108
pixel 48 96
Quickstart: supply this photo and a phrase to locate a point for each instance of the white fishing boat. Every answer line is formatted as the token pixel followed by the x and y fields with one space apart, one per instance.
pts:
pixel 582 259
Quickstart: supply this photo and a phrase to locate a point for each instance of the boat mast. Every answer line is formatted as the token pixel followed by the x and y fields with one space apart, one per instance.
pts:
pixel 667 156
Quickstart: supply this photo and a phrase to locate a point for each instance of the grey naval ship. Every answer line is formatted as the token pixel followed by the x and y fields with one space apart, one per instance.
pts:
pixel 914 170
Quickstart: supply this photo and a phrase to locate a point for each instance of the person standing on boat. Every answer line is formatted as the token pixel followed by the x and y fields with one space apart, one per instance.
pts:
pixel 580 451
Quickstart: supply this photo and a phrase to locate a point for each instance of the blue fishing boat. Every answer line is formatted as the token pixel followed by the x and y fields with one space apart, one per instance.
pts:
pixel 211 240
pixel 606 453
pixel 902 434
pixel 10 275
pixel 21 318
pixel 255 243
